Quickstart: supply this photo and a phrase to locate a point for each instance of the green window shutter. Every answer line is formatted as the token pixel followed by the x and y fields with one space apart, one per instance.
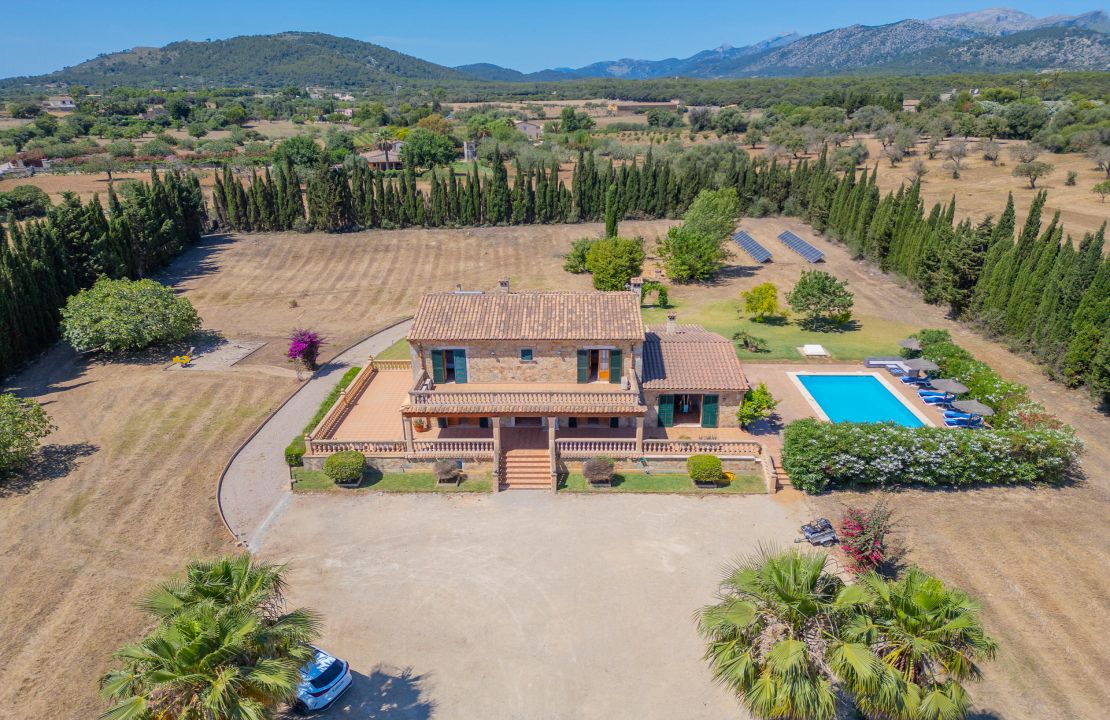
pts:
pixel 483 422
pixel 666 410
pixel 572 422
pixel 709 411
pixel 439 375
pixel 460 366
pixel 441 422
pixel 614 422
pixel 615 366
pixel 583 366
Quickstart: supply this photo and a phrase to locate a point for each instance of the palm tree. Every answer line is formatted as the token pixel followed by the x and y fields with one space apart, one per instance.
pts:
pixel 928 637
pixel 201 665
pixel 224 649
pixel 773 637
pixel 228 583
pixel 383 140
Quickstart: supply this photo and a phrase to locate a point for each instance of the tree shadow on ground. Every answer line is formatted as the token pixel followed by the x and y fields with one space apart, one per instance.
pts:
pixel 983 715
pixel 196 261
pixel 772 425
pixel 49 463
pixel 386 694
pixel 733 272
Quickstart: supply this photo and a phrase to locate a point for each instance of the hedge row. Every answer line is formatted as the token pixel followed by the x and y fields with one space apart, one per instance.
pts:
pixel 819 455
pixel 294 452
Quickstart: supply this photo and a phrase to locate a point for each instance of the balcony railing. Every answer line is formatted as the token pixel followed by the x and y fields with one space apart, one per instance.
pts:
pixel 623 447
pixel 461 449
pixel 699 447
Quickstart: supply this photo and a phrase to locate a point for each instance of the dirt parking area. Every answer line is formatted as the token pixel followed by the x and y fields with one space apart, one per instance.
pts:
pixel 522 604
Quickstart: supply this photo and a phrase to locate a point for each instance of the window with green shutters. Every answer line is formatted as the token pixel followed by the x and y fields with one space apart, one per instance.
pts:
pixel 615 367
pixel 666 410
pixel 460 366
pixel 439 372
pixel 614 422
pixel 583 366
pixel 709 411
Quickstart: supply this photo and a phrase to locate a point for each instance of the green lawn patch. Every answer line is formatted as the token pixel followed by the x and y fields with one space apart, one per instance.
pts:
pixel 397 351
pixel 376 481
pixel 294 452
pixel 662 483
pixel 865 337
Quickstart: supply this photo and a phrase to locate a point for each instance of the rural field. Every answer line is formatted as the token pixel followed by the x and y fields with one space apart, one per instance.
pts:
pixel 127 494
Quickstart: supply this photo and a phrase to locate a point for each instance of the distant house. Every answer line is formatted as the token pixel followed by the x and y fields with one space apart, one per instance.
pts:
pixel 618 107
pixel 531 129
pixel 910 106
pixel 153 113
pixel 948 95
pixel 384 160
pixel 345 97
pixel 346 112
pixel 20 168
pixel 59 103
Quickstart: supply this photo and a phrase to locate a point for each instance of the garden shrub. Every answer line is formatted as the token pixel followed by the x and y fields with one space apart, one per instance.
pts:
pixel 819 455
pixel 704 468
pixel 598 470
pixel 863 536
pixel 23 423
pixel 345 466
pixel 294 451
pixel 575 260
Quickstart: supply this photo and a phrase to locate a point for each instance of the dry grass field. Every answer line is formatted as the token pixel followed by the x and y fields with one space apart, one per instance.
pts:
pixel 127 493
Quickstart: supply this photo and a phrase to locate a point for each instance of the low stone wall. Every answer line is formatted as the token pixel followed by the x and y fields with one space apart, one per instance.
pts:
pixel 400 464
pixel 668 466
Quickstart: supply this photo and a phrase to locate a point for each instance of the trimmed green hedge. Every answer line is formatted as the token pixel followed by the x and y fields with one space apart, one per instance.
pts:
pixel 294 451
pixel 704 468
pixel 819 455
pixel 346 466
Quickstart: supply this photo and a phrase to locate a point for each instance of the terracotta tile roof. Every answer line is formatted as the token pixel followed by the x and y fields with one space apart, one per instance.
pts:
pixel 690 358
pixel 528 315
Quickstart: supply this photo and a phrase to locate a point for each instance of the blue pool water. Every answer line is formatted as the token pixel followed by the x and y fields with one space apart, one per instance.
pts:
pixel 857 398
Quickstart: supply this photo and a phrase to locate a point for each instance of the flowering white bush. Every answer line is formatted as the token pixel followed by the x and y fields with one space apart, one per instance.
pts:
pixel 818 455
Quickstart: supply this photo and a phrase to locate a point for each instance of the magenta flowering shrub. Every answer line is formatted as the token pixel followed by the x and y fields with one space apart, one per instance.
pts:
pixel 304 346
pixel 863 536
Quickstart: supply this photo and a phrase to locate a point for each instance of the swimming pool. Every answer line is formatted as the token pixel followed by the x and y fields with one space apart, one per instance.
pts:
pixel 856 398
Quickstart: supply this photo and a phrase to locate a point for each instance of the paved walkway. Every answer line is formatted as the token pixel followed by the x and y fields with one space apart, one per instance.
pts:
pixel 255 486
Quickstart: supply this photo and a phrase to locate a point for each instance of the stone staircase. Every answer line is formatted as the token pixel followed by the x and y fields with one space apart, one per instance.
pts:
pixel 526 469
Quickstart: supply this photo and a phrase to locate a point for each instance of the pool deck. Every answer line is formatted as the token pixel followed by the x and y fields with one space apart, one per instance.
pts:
pixel 794 405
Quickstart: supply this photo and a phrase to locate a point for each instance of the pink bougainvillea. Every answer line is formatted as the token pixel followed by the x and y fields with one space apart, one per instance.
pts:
pixel 863 536
pixel 304 346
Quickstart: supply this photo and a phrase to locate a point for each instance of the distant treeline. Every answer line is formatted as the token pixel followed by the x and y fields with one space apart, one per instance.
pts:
pixel 1040 293
pixel 43 263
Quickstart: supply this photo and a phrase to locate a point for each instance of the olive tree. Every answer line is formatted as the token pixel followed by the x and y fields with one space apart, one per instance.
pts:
pixel 22 424
pixel 126 315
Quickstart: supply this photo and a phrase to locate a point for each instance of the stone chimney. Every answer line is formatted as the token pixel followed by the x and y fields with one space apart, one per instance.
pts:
pixel 672 325
pixel 636 285
pixel 503 285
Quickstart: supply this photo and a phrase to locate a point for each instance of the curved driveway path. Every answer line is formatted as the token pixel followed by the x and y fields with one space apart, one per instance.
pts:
pixel 254 487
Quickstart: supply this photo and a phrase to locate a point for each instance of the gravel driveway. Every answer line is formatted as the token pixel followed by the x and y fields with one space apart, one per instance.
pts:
pixel 523 604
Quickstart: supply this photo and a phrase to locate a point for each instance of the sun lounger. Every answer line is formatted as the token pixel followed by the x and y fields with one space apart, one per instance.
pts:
pixel 927 393
pixel 957 415
pixel 955 423
pixel 910 380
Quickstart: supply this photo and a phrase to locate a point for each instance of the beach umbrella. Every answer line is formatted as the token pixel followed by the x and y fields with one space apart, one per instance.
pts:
pixel 911 344
pixel 973 407
pixel 949 386
pixel 921 364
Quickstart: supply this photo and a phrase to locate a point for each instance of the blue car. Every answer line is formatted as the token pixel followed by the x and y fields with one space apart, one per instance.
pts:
pixel 323 680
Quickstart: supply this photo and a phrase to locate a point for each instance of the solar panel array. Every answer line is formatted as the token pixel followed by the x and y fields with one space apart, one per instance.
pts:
pixel 750 246
pixel 801 247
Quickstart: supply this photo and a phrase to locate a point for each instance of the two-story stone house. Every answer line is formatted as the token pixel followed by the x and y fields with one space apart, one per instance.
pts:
pixel 526 369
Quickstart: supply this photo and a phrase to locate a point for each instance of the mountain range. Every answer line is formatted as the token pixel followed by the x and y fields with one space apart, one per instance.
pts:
pixel 993 40
pixel 996 39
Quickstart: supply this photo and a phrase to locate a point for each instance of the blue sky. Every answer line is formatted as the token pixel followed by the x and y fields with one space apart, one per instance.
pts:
pixel 526 35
